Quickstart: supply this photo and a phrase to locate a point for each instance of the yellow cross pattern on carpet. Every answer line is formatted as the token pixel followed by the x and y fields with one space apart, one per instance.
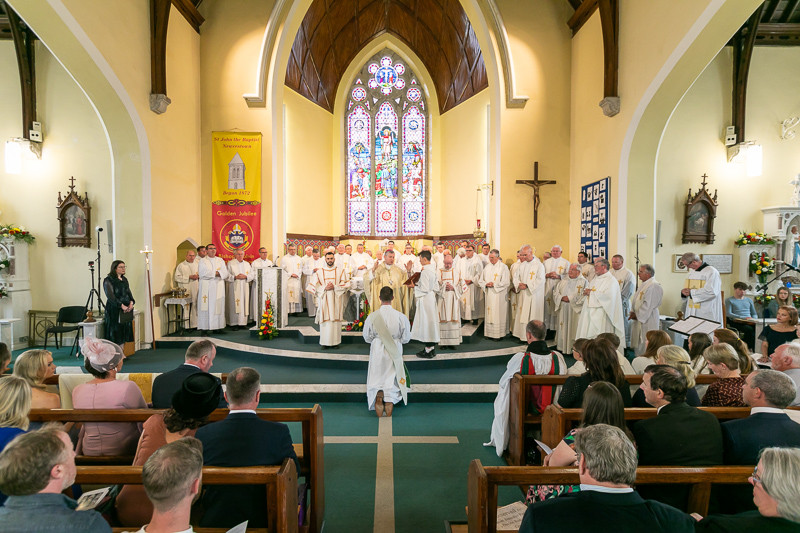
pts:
pixel 384 473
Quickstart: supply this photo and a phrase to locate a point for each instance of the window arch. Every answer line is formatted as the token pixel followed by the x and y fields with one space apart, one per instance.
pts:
pixel 386 126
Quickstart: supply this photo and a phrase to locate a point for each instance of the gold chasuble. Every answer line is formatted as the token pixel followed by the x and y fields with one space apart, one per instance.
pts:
pixel 393 277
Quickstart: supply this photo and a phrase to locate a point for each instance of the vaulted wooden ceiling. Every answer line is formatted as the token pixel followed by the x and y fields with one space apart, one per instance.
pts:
pixel 438 31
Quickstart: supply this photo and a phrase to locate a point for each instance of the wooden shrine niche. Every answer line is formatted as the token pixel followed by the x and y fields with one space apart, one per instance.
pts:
pixel 74 219
pixel 701 210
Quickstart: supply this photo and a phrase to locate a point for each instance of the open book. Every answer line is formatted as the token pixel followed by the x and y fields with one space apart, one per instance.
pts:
pixel 413 279
pixel 694 324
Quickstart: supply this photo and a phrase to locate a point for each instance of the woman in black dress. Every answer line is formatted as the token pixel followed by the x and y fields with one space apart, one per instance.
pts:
pixel 118 300
pixel 785 330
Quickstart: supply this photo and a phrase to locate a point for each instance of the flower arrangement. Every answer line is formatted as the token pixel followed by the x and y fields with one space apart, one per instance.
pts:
pixel 18 232
pixel 764 300
pixel 796 300
pixel 753 237
pixel 5 264
pixel 761 264
pixel 267 328
pixel 358 323
pixel 3 292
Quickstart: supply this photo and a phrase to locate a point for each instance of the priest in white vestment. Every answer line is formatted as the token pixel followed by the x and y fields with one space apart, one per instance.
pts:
pixel 702 289
pixel 187 278
pixel 211 291
pixel 240 274
pixel 309 267
pixel 495 281
pixel 472 302
pixel 529 282
pixel 587 268
pixel 258 264
pixel 484 255
pixel 645 315
pixel 409 257
pixel 292 264
pixel 342 259
pixel 450 288
pixel 568 297
pixel 602 308
pixel 438 256
pixel 307 258
pixel 426 318
pixel 627 286
pixel 512 293
pixel 330 284
pixel 361 262
pixel 555 269
pixel 386 330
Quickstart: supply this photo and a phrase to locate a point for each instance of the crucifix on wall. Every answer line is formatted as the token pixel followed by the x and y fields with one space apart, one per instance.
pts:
pixel 535 183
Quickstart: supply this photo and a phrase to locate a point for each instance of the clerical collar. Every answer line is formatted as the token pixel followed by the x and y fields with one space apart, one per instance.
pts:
pixel 539 348
pixel 701 267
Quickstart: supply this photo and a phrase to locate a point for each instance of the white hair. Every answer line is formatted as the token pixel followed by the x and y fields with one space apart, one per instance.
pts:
pixel 557 247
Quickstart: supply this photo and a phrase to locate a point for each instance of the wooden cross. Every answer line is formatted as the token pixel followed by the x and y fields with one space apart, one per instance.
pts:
pixel 704 176
pixel 535 183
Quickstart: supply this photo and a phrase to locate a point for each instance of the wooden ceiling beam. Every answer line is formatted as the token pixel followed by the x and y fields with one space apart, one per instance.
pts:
pixel 743 43
pixel 5 28
pixel 23 39
pixel 581 15
pixel 189 11
pixel 770 6
pixel 609 23
pixel 575 4
pixel 159 20
pixel 788 11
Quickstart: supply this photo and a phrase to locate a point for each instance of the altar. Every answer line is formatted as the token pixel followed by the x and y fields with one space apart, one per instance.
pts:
pixel 15 287
pixel 272 285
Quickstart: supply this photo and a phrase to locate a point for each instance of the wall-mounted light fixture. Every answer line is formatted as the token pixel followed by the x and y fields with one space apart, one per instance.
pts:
pixel 18 148
pixel 750 154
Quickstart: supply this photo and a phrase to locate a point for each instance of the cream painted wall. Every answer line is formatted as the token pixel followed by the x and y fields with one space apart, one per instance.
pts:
pixel 75 145
pixel 540 43
pixel 692 145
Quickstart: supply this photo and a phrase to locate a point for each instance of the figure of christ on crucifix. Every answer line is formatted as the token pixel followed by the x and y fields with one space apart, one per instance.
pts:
pixel 535 183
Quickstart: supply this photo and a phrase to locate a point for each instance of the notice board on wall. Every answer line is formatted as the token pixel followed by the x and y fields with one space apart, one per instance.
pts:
pixel 594 218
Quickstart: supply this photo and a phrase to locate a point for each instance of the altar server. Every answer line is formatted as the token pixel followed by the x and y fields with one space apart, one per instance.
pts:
pixel 330 285
pixel 495 281
pixel 426 318
pixel 240 274
pixel 260 263
pixel 702 289
pixel 627 286
pixel 602 308
pixel 292 264
pixel 386 330
pixel 387 274
pixel 529 282
pixel 568 299
pixel 211 292
pixel 187 278
pixel 645 316
pixel 450 288
pixel 555 269
pixel 470 268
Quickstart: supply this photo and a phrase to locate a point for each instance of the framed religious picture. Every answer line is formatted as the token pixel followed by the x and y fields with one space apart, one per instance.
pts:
pixel 700 212
pixel 677 263
pixel 74 219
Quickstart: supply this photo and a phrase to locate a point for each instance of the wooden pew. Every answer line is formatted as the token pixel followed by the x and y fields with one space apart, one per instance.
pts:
pixel 520 419
pixel 483 483
pixel 281 483
pixel 310 452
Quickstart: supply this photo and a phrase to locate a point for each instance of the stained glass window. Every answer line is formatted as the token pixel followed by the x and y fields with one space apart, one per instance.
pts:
pixel 387 164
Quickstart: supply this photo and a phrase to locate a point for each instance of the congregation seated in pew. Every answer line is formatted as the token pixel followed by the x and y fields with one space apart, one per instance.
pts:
pixel 727 390
pixel 676 357
pixel 602 364
pixel 35 366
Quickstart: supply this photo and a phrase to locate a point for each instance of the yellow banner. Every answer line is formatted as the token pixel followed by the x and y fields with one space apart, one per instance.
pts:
pixel 236 166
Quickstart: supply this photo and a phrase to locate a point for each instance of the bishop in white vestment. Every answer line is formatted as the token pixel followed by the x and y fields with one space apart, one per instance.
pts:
pixel 568 298
pixel 470 268
pixel 495 281
pixel 186 277
pixel 260 263
pixel 330 285
pixel 450 288
pixel 292 264
pixel 602 308
pixel 627 286
pixel 645 315
pixel 555 269
pixel 240 274
pixel 211 292
pixel 529 283
pixel 426 318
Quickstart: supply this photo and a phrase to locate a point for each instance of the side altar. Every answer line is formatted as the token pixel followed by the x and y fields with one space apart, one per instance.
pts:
pixel 15 282
pixel 272 283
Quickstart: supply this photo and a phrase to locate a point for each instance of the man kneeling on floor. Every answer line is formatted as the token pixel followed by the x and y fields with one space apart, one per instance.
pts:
pixel 386 330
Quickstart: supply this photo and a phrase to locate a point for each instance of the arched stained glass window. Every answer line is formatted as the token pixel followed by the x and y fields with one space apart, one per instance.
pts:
pixel 387 166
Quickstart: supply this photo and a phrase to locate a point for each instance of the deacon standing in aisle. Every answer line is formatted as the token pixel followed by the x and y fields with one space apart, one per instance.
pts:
pixel 645 315
pixel 555 269
pixel 187 278
pixel 330 285
pixel 568 297
pixel 260 263
pixel 529 281
pixel 472 303
pixel 211 293
pixel 386 330
pixel 386 274
pixel 602 308
pixel 450 289
pixel 240 274
pixel 426 318
pixel 292 265
pixel 627 286
pixel 495 281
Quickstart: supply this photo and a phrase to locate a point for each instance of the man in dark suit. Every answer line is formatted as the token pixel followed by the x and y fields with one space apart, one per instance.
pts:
pixel 199 358
pixel 606 501
pixel 679 435
pixel 767 392
pixel 241 439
